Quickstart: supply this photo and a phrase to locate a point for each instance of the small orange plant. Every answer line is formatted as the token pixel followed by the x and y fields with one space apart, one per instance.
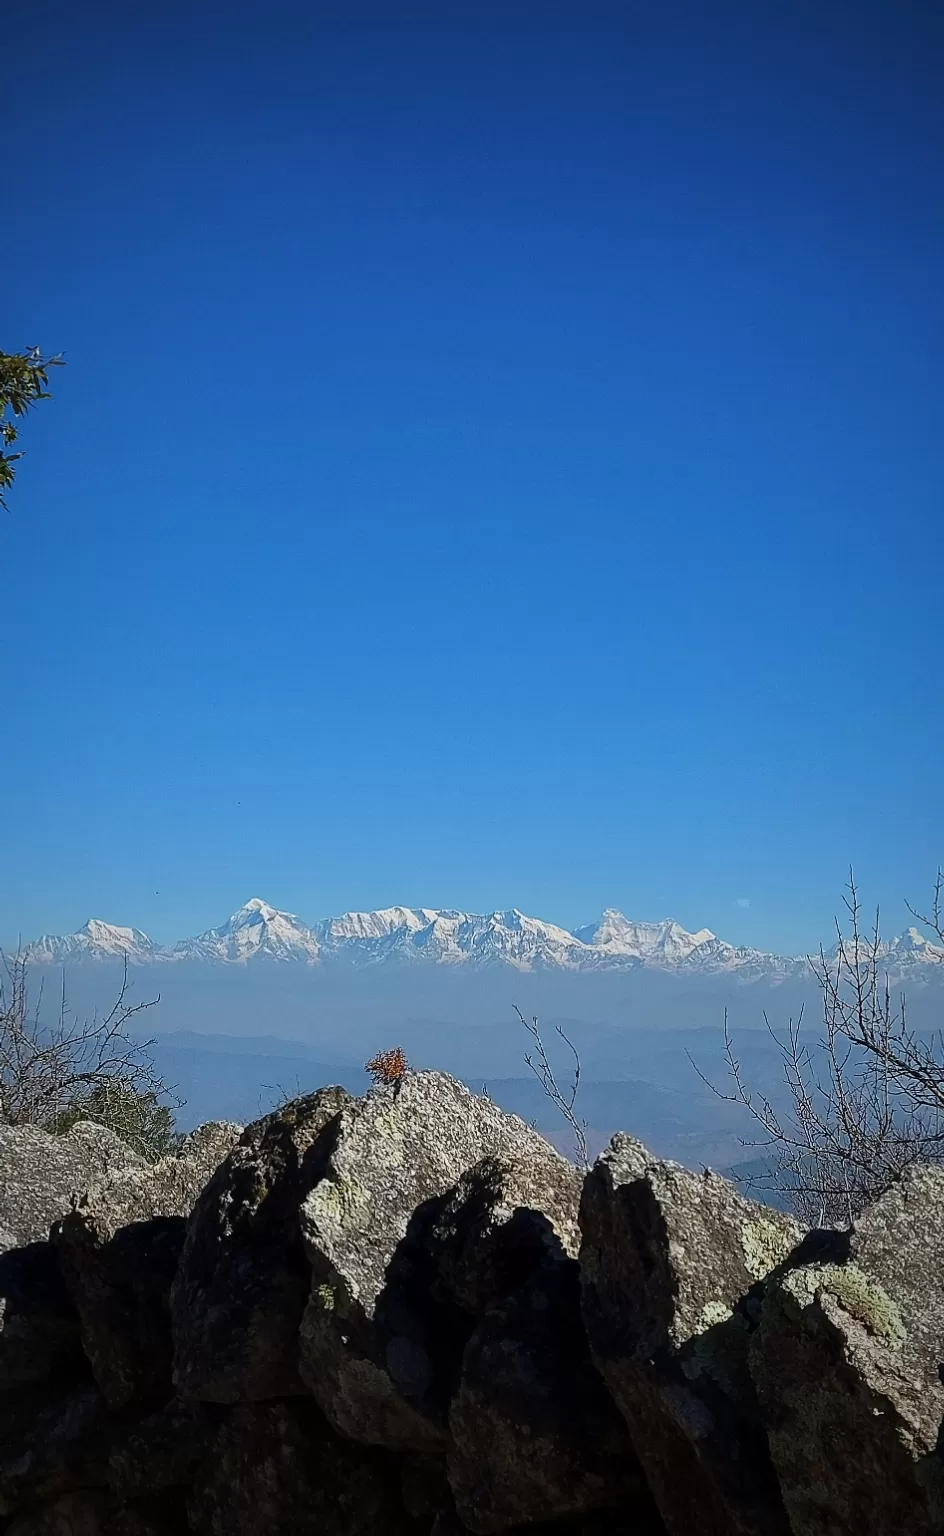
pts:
pixel 388 1066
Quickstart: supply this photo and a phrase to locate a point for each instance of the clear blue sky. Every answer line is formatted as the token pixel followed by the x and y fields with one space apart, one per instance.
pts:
pixel 500 459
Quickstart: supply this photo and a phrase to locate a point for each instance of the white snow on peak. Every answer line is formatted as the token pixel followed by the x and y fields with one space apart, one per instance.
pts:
pixel 445 936
pixel 619 935
pixel 94 940
pixel 377 925
pixel 255 930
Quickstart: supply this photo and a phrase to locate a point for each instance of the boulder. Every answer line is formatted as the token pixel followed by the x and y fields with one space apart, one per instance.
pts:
pixel 278 1467
pixel 164 1451
pixel 606 1522
pixel 535 1434
pixel 670 1264
pixel 39 1326
pixel 502 1221
pixel 847 1363
pixel 50 1444
pixel 72 1514
pixel 243 1278
pixel 93 1513
pixel 376 1351
pixel 40 1174
pixel 208 1145
pixel 119 1248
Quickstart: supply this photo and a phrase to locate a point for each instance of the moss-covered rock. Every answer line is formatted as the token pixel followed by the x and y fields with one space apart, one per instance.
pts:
pixel 671 1265
pixel 243 1279
pixel 119 1248
pixel 847 1368
pixel 380 1346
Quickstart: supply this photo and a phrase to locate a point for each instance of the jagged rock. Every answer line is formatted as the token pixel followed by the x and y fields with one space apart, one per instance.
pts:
pixel 847 1363
pixel 164 1451
pixel 243 1278
pixel 208 1145
pixel 375 1352
pixel 92 1513
pixel 670 1263
pixel 503 1219
pixel 604 1522
pixel 119 1249
pixel 73 1514
pixel 51 1444
pixel 536 1436
pixel 278 1467
pixel 39 1326
pixel 40 1174
pixel 424 1487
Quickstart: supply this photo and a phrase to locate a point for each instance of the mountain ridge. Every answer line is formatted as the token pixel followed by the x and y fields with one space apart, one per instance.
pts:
pixel 445 936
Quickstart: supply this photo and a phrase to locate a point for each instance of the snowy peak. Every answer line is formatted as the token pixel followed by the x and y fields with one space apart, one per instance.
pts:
pixel 256 930
pixel 376 925
pixel 444 936
pixel 94 940
pixel 619 935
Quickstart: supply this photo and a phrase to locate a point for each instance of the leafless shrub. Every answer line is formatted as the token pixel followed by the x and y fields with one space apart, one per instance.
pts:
pixel 563 1099
pixel 51 1072
pixel 865 1099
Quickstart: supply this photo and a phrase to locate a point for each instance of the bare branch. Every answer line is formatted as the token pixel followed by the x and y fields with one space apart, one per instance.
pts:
pixel 52 1072
pixel 865 1099
pixel 563 1100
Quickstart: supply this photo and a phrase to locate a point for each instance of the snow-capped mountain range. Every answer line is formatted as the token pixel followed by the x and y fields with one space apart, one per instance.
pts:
pixel 427 935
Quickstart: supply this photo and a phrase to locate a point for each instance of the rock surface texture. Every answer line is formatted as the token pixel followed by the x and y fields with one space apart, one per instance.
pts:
pixel 670 1265
pixel 119 1251
pixel 407 1315
pixel 851 1355
pixel 375 1352
pixel 39 1174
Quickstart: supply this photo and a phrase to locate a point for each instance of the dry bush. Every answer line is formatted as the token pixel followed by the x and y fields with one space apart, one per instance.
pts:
pixel 54 1074
pixel 865 1099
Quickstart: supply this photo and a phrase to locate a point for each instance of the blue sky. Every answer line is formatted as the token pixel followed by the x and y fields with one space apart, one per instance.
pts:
pixel 499 460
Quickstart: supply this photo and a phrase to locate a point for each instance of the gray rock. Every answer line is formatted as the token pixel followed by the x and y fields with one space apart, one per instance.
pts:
pixel 40 1174
pixel 50 1444
pixel 39 1326
pixel 72 1514
pixel 536 1435
pixel 243 1278
pixel 119 1248
pixel 847 1364
pixel 503 1220
pixel 92 1513
pixel 278 1467
pixel 164 1451
pixel 670 1265
pixel 209 1144
pixel 375 1352
pixel 605 1522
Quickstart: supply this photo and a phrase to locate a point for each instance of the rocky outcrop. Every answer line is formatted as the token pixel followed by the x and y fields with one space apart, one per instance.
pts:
pixel 670 1266
pixel 243 1280
pixel 39 1329
pixel 119 1250
pixel 407 1315
pixel 533 1431
pixel 848 1364
pixel 375 1352
pixel 280 1467
pixel 40 1174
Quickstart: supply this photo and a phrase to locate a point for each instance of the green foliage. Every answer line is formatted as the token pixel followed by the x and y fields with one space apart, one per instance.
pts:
pixel 137 1117
pixel 24 379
